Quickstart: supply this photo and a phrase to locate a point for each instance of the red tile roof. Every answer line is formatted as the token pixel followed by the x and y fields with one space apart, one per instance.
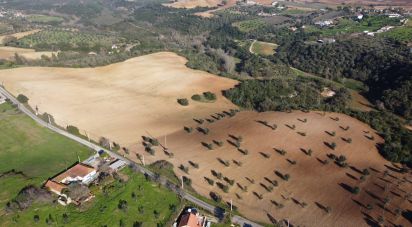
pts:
pixel 54 186
pixel 189 220
pixel 79 170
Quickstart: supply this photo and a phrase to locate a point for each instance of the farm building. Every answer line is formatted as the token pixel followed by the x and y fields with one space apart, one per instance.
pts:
pixel 79 173
pixel 191 218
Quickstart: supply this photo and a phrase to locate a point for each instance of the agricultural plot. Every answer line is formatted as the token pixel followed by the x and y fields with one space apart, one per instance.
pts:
pixel 137 94
pixel 65 40
pixel 44 19
pixel 18 35
pixel 249 25
pixel 263 48
pixel 315 169
pixel 9 53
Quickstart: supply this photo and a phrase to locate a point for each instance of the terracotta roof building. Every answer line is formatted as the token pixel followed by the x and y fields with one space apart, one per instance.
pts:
pixel 55 187
pixel 189 220
pixel 78 173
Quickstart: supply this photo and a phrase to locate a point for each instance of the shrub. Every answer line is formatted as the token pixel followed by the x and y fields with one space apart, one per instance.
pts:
pixel 210 181
pixel 215 196
pixel 183 102
pixel 309 152
pixel 369 207
pixel 73 130
pixel 187 181
pixel 184 168
pixel 122 205
pixel 36 218
pixel 365 172
pixel 196 97
pixel 286 177
pixel 188 129
pixel 65 218
pixel 209 96
pixel 150 150
pixel 332 145
pixel 22 98
pixel 356 190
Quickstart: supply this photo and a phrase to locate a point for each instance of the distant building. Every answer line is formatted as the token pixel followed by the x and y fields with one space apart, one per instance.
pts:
pixel 324 23
pixel 327 92
pixel 359 16
pixel 393 15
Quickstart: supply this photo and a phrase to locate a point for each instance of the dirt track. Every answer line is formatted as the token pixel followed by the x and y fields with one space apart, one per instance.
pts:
pixel 311 182
pixel 121 101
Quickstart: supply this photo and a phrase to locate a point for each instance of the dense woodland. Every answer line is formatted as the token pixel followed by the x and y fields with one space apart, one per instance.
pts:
pixel 216 45
pixel 385 67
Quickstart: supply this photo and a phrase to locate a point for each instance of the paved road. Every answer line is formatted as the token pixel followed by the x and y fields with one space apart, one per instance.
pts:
pixel 214 210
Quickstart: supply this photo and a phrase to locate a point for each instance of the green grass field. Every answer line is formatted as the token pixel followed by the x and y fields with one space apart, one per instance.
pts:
pixel 264 48
pixel 44 19
pixel 249 25
pixel 103 209
pixel 40 154
pixel 31 149
pixel 401 34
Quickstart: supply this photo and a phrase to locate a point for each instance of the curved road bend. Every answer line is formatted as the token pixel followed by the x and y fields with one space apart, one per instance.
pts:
pixel 235 219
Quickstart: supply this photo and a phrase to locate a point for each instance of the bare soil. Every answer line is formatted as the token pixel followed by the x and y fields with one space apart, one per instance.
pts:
pixel 8 53
pixel 311 182
pixel 121 101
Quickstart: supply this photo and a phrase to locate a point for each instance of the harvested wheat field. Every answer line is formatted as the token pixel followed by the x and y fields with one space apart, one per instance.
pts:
pixel 189 4
pixel 121 101
pixel 8 53
pixel 18 35
pixel 281 166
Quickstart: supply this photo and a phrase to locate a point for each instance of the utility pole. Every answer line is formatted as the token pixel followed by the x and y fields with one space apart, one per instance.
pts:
pixel 182 181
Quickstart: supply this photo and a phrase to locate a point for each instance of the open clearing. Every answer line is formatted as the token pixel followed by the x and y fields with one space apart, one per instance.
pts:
pixel 263 48
pixel 8 53
pixel 121 101
pixel 18 35
pixel 311 182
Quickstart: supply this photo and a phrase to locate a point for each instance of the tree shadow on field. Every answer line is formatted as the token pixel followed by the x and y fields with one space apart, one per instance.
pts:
pixel 271 219
pixel 346 187
pixel 355 169
pixel 351 176
pixel 407 214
